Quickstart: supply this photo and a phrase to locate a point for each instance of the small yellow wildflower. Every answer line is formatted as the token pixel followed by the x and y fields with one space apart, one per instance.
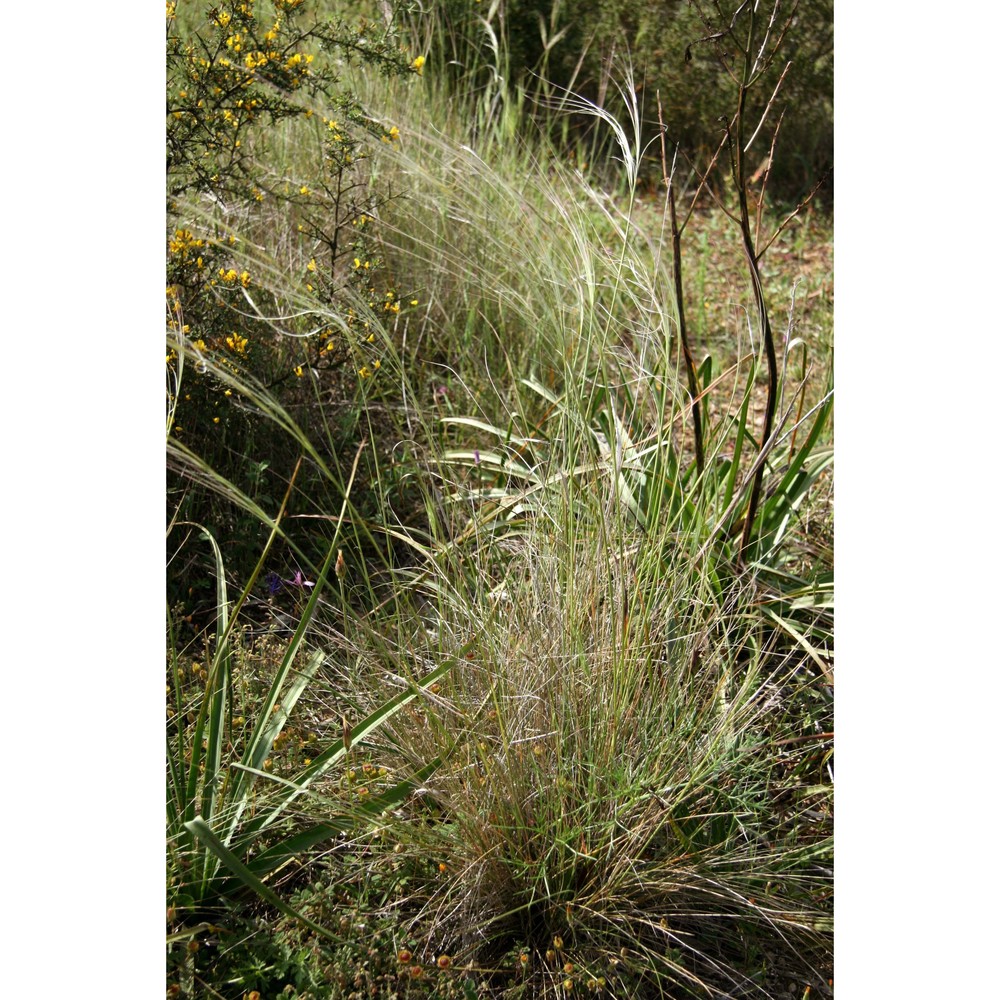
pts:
pixel 304 190
pixel 298 371
pixel 311 266
pixel 365 372
pixel 418 65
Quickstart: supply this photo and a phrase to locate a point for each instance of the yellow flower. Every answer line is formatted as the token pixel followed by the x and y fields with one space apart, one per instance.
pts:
pixel 311 266
pixel 418 65
pixel 303 190
pixel 298 371
pixel 365 372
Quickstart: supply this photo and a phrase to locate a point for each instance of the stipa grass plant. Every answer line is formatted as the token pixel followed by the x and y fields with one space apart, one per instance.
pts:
pixel 608 821
pixel 641 808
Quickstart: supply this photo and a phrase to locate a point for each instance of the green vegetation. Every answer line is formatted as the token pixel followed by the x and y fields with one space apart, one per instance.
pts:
pixel 500 580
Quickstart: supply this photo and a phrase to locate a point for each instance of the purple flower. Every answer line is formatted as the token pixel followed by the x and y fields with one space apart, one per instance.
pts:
pixel 275 583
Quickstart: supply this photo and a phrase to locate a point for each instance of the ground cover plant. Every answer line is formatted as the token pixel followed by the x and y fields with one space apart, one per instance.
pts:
pixel 500 617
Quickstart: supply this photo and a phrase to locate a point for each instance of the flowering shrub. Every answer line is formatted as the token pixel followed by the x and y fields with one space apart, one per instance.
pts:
pixel 231 79
pixel 240 71
pixel 239 75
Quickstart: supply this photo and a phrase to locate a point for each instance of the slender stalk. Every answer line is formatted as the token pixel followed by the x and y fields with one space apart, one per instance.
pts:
pixel 675 238
pixel 738 165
